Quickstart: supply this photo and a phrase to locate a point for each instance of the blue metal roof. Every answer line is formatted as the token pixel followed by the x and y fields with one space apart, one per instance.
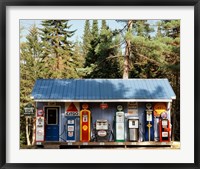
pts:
pixel 102 89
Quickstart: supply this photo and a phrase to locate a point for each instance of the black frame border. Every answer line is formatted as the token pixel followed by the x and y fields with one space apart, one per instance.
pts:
pixel 5 3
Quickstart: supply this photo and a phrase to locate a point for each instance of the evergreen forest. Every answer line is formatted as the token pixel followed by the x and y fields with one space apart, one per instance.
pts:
pixel 140 49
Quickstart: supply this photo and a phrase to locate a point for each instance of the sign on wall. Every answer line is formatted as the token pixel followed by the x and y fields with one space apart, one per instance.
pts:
pixel 29 110
pixel 72 110
pixel 133 108
pixel 159 108
pixel 104 106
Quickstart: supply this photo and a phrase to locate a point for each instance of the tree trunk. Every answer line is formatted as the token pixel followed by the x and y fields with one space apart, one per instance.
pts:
pixel 27 132
pixel 127 53
pixel 33 132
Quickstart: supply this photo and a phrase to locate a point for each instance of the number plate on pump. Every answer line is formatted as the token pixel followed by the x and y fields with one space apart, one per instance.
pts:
pixel 164 134
pixel 102 133
pixel 85 118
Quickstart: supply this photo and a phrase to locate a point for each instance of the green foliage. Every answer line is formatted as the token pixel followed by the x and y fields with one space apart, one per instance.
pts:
pixel 101 54
pixel 30 53
pixel 159 57
pixel 58 60
pixel 95 29
pixel 86 37
pixel 48 53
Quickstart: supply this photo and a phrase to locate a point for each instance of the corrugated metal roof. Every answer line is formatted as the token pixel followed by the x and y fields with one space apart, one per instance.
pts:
pixel 102 89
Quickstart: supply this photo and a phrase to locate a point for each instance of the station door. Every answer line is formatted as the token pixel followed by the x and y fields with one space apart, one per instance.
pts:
pixel 52 124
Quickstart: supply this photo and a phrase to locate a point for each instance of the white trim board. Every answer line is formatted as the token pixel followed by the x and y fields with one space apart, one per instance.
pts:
pixel 118 100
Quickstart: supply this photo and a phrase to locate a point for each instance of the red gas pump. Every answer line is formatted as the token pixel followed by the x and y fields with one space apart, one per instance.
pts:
pixel 85 116
pixel 164 128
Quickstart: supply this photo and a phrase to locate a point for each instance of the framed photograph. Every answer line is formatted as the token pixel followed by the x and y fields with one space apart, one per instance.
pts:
pixel 60 113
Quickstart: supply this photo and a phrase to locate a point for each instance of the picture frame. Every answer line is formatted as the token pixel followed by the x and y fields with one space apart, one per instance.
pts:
pixel 3 84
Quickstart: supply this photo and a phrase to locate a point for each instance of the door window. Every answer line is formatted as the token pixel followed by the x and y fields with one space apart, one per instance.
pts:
pixel 52 116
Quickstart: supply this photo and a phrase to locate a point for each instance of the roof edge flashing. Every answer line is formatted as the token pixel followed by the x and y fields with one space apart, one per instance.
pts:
pixel 118 100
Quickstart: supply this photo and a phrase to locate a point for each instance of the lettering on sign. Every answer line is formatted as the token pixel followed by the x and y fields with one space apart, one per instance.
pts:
pixel 164 134
pixel 132 105
pixel 72 114
pixel 72 110
pixel 29 110
pixel 103 105
pixel 159 108
pixel 133 108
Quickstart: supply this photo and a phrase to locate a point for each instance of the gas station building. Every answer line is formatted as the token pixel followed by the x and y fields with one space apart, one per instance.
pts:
pixel 100 112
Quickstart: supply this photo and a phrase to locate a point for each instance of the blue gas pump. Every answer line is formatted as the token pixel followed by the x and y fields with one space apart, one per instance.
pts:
pixel 149 123
pixel 71 128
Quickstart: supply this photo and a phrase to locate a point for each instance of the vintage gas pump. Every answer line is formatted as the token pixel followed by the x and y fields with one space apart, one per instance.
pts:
pixel 71 129
pixel 40 127
pixel 133 128
pixel 159 108
pixel 101 131
pixel 71 125
pixel 119 126
pixel 85 126
pixel 164 128
pixel 149 127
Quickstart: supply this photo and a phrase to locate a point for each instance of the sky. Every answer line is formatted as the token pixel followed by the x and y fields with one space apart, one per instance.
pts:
pixel 75 25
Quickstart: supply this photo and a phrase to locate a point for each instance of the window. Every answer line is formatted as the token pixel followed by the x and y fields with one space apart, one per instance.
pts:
pixel 52 116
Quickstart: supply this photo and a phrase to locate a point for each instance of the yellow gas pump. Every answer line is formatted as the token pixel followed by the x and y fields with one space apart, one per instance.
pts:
pixel 85 126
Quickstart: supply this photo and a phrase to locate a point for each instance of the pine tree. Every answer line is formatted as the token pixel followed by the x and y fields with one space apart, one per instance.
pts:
pixel 159 57
pixel 171 28
pixel 73 65
pixel 30 53
pixel 57 47
pixel 103 25
pixel 86 37
pixel 127 50
pixel 95 29
pixel 91 54
pixel 101 63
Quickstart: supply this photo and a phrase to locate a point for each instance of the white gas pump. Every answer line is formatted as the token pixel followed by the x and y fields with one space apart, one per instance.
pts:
pixel 133 128
pixel 40 127
pixel 119 127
